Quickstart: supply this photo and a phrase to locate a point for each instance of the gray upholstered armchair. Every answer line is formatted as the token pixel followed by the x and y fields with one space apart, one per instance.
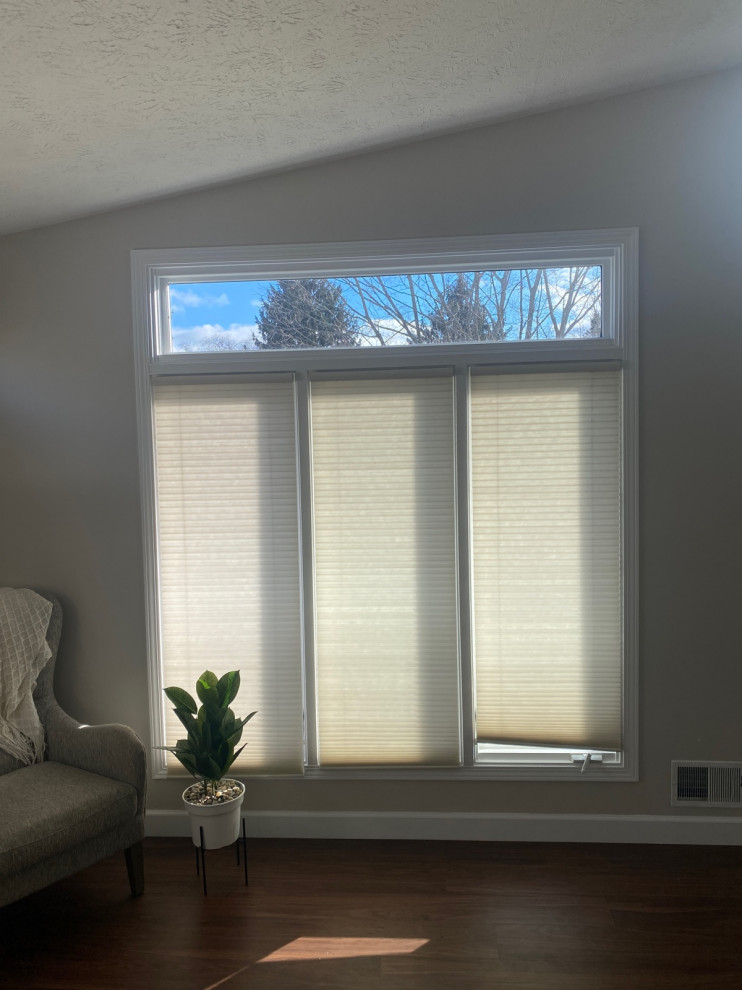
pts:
pixel 84 802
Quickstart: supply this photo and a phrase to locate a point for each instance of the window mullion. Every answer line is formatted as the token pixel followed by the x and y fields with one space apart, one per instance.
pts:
pixel 463 514
pixel 304 447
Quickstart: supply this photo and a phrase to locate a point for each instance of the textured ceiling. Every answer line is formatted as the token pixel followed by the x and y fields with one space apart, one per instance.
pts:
pixel 105 102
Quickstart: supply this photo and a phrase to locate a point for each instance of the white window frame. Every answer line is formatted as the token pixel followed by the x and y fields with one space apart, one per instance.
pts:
pixel 616 250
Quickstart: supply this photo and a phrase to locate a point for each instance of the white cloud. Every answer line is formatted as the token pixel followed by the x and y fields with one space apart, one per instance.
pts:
pixel 180 298
pixel 214 337
pixel 390 329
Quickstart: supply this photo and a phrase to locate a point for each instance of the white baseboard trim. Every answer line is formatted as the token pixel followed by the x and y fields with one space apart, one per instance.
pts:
pixel 468 826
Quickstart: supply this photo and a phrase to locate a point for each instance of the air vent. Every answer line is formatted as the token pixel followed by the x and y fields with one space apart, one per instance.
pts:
pixel 707 784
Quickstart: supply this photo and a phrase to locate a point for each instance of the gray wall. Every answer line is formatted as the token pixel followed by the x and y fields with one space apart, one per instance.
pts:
pixel 666 160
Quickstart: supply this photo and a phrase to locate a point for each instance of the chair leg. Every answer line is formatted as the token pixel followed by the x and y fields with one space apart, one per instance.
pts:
pixel 135 868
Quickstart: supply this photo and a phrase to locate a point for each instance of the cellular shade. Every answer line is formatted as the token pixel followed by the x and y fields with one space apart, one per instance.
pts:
pixel 229 556
pixel 386 625
pixel 546 484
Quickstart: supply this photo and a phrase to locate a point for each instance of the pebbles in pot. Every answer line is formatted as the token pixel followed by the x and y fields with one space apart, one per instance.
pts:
pixel 226 790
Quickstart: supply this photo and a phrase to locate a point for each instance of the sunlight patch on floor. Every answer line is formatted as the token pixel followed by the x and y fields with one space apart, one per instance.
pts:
pixel 304 949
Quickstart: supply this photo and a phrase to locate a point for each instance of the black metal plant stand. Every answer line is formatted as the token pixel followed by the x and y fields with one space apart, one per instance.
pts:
pixel 201 854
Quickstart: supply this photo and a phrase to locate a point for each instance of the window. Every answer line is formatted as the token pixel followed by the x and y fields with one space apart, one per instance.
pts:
pixel 387 310
pixel 395 488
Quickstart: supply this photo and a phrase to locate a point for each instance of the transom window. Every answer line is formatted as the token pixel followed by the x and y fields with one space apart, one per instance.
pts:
pixel 529 304
pixel 392 484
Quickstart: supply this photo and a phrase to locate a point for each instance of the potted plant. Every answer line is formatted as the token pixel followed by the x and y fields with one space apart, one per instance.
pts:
pixel 207 752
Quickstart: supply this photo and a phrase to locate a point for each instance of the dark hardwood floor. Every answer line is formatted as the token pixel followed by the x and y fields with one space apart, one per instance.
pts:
pixel 393 915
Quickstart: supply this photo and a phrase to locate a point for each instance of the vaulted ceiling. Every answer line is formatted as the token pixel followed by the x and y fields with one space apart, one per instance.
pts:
pixel 107 102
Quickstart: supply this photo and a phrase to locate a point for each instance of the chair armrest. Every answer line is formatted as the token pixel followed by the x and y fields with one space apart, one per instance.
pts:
pixel 114 751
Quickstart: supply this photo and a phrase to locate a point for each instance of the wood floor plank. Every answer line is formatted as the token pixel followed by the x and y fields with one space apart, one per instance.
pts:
pixel 393 915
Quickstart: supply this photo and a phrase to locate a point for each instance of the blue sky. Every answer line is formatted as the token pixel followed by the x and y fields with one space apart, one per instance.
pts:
pixel 200 310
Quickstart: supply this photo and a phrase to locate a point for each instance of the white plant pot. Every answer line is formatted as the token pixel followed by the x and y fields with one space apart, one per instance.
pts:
pixel 220 822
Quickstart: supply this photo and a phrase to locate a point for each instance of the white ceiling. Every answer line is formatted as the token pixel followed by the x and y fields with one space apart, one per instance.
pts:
pixel 106 102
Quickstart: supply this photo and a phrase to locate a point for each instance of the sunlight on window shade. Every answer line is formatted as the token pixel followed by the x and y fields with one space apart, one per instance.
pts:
pixel 387 664
pixel 308 949
pixel 545 455
pixel 229 556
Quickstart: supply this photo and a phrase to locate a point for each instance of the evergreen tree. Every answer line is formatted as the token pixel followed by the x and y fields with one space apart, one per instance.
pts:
pixel 305 312
pixel 460 316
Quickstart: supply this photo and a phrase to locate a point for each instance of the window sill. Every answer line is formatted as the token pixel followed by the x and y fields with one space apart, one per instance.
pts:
pixel 516 772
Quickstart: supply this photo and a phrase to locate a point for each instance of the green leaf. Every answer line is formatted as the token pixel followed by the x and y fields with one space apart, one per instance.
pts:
pixel 228 686
pixel 206 687
pixel 188 762
pixel 237 753
pixel 212 711
pixel 181 699
pixel 235 737
pixel 215 771
pixel 185 758
pixel 226 755
pixel 240 722
pixel 186 719
pixel 202 764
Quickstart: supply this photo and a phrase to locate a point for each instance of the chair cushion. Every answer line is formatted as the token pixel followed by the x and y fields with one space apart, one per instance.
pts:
pixel 9 763
pixel 49 807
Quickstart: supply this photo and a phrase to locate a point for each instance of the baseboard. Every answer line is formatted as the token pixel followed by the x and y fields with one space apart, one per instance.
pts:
pixel 468 826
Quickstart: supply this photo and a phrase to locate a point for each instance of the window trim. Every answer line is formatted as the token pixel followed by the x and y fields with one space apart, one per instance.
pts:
pixel 615 249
